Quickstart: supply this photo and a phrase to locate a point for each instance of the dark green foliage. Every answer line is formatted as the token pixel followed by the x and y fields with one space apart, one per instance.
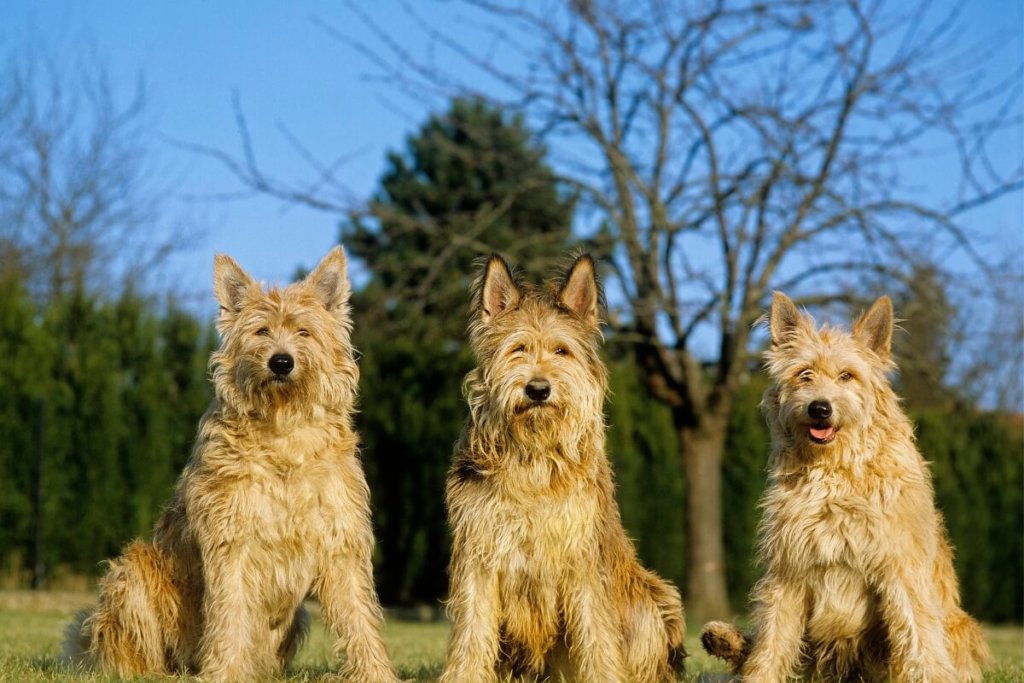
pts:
pixel 978 464
pixel 22 387
pixel 471 181
pixel 101 401
pixel 643 450
pixel 747 444
pixel 412 411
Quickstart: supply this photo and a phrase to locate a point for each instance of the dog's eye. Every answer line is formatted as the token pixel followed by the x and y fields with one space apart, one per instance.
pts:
pixel 845 376
pixel 805 376
pixel 518 348
pixel 303 333
pixel 561 351
pixel 263 332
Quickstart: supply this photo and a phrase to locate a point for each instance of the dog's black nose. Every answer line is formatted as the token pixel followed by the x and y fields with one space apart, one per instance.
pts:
pixel 820 410
pixel 281 363
pixel 538 389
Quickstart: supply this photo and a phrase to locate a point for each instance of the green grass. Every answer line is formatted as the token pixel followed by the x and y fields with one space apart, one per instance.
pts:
pixel 31 627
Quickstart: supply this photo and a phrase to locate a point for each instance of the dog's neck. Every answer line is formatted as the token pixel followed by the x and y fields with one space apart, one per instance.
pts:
pixel 520 447
pixel 283 417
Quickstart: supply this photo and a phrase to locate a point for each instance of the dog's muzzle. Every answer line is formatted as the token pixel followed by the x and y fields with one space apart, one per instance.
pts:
pixel 281 364
pixel 821 430
pixel 538 389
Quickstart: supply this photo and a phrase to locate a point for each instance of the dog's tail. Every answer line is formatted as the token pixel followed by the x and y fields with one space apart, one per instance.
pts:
pixel 123 633
pixel 75 649
pixel 725 641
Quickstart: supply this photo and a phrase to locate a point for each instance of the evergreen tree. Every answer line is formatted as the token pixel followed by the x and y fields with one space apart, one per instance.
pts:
pixel 22 388
pixel 921 345
pixel 649 484
pixel 470 182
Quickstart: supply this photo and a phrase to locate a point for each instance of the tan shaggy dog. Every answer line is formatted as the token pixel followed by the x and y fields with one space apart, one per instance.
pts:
pixel 858 575
pixel 544 581
pixel 272 505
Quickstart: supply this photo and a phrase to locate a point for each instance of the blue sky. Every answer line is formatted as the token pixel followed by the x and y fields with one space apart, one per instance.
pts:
pixel 286 70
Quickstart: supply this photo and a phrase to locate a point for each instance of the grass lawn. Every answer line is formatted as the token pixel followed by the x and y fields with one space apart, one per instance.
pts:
pixel 31 626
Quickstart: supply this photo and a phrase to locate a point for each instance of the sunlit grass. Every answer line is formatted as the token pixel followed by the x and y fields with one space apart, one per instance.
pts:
pixel 32 624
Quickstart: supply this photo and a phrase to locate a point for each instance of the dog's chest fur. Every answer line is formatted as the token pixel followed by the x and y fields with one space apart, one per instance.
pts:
pixel 283 499
pixel 535 525
pixel 829 529
pixel 521 519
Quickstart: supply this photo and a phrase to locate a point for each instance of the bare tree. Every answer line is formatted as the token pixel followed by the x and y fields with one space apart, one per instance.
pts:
pixel 722 150
pixel 80 203
pixel 727 149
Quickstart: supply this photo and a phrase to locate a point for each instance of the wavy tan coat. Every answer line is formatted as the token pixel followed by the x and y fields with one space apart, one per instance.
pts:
pixel 544 581
pixel 858 575
pixel 272 505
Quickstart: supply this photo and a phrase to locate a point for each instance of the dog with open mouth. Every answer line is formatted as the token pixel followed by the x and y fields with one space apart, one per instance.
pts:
pixel 858 581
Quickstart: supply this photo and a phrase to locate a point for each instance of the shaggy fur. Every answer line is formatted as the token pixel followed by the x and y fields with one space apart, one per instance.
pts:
pixel 858 575
pixel 544 581
pixel 272 505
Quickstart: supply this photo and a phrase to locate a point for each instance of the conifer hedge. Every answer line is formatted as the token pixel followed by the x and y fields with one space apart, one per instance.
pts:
pixel 105 395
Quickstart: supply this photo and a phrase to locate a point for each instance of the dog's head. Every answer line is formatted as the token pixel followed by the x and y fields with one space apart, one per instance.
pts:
pixel 288 346
pixel 538 350
pixel 826 381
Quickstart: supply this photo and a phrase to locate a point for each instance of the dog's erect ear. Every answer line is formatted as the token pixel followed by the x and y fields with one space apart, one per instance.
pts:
pixel 579 291
pixel 784 318
pixel 874 328
pixel 499 290
pixel 329 280
pixel 230 283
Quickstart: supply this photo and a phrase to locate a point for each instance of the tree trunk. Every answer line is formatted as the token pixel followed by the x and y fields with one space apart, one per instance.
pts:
pixel 700 447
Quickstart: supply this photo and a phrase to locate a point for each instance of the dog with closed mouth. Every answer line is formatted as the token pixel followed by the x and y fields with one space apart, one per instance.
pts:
pixel 544 581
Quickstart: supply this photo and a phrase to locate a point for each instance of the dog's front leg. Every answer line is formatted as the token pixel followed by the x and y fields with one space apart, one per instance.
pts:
pixel 474 610
pixel 913 621
pixel 229 647
pixel 352 612
pixel 779 622
pixel 595 632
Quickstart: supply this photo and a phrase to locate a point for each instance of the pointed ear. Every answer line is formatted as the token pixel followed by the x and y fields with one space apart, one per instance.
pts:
pixel 230 283
pixel 874 328
pixel 579 291
pixel 498 289
pixel 784 318
pixel 329 280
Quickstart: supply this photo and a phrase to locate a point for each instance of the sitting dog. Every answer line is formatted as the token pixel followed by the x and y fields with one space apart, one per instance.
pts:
pixel 544 581
pixel 858 575
pixel 272 505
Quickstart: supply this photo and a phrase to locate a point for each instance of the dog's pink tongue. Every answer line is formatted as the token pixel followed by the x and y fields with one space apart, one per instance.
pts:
pixel 823 433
